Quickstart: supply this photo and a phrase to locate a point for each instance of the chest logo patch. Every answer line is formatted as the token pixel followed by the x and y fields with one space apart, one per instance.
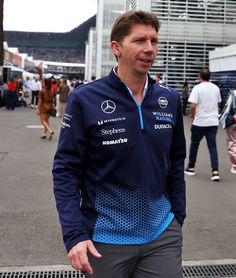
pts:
pixel 108 106
pixel 163 102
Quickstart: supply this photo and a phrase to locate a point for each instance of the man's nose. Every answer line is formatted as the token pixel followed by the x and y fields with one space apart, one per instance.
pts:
pixel 149 47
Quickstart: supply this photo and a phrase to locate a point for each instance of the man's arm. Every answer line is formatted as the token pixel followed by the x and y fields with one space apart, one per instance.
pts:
pixel 68 184
pixel 192 110
pixel 68 175
pixel 175 183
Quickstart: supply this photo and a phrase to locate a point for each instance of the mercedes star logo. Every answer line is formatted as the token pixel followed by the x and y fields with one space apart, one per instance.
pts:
pixel 108 106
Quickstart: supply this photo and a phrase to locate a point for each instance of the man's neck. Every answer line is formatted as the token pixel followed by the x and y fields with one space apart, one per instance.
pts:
pixel 135 82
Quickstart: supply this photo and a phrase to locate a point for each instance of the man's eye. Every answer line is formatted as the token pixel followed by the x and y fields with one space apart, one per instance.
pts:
pixel 139 41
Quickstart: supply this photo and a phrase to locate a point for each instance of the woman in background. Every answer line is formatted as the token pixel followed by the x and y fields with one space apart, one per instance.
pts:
pixel 46 101
pixel 63 91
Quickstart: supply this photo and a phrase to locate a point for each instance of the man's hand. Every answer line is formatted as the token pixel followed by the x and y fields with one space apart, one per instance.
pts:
pixel 78 256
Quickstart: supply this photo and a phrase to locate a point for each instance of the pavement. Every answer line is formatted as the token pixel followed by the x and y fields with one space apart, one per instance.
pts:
pixel 30 234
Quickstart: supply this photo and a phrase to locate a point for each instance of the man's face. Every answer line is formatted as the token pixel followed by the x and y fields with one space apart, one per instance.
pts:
pixel 138 50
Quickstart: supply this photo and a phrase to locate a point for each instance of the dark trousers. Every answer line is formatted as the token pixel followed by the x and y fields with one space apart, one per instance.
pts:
pixel 34 99
pixel 197 133
pixel 10 100
pixel 185 103
pixel 161 258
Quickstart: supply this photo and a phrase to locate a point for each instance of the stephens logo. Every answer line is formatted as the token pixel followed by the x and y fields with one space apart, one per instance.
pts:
pixel 112 131
pixel 163 102
pixel 108 106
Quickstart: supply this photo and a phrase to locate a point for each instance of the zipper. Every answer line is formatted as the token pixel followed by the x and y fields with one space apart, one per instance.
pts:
pixel 140 116
pixel 139 106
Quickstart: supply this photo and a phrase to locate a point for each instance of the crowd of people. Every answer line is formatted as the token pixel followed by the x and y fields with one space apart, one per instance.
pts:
pixel 55 54
pixel 48 96
pixel 202 104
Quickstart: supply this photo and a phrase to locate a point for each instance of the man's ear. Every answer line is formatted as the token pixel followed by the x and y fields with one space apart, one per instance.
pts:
pixel 115 48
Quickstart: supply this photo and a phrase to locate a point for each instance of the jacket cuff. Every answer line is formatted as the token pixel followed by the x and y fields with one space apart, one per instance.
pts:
pixel 70 243
pixel 180 219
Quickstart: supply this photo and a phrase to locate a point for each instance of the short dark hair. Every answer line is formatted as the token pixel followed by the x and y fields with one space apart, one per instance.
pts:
pixel 48 83
pixel 125 22
pixel 205 74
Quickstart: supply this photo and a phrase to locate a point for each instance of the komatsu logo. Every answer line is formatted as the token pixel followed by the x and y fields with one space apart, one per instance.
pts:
pixel 115 142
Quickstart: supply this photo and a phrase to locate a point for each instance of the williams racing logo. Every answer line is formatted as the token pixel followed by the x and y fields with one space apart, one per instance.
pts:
pixel 66 121
pixel 162 102
pixel 165 120
pixel 108 106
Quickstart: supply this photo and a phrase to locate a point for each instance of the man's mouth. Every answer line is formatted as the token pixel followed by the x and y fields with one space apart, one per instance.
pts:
pixel 146 61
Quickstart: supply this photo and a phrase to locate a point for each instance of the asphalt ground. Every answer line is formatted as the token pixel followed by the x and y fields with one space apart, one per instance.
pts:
pixel 30 233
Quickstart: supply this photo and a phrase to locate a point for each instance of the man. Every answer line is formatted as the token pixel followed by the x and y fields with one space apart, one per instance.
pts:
pixel 36 86
pixel 204 110
pixel 27 88
pixel 119 167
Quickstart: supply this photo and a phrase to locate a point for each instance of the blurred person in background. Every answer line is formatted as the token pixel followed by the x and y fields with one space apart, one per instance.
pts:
pixel 204 111
pixel 46 102
pixel 11 94
pixel 185 95
pixel 63 90
pixel 158 78
pixel 27 88
pixel 36 86
pixel 228 122
pixel 1 92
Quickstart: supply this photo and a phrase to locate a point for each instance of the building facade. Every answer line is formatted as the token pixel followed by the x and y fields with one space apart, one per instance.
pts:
pixel 90 55
pixel 222 62
pixel 107 12
pixel 189 30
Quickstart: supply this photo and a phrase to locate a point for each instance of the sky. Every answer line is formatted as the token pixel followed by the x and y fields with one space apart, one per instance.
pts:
pixel 46 15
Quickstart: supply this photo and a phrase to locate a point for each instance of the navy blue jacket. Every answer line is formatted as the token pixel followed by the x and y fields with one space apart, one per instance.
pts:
pixel 119 167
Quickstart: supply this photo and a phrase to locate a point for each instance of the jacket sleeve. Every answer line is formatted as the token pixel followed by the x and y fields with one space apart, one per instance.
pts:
pixel 175 183
pixel 68 174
